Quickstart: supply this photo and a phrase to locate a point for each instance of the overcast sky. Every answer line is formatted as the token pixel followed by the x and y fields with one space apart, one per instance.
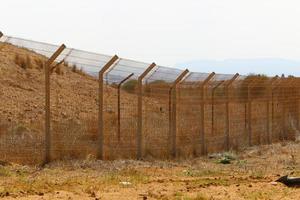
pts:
pixel 165 31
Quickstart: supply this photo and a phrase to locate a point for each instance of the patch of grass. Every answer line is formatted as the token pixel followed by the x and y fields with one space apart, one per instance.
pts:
pixel 178 195
pixel 201 172
pixel 198 197
pixel 4 172
pixel 257 174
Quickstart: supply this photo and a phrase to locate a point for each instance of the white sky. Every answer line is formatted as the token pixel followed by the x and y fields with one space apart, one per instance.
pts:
pixel 164 31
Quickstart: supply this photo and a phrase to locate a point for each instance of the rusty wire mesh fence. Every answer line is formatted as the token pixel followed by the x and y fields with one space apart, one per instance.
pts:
pixel 114 108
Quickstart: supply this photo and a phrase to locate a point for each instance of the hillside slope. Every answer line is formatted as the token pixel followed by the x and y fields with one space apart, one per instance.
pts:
pixel 74 106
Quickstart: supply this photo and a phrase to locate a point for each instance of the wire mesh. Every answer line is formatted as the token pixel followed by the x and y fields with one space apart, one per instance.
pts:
pixel 120 127
pixel 22 110
pixel 157 111
pixel 210 112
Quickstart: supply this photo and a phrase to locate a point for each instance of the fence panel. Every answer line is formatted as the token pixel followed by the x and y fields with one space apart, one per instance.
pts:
pixel 201 115
pixel 22 120
pixel 189 115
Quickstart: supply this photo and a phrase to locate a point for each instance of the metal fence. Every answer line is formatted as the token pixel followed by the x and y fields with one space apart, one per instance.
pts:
pixel 93 105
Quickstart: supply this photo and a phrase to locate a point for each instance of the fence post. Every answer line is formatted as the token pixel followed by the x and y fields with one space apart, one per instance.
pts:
pixel 227 86
pixel 249 116
pixel 47 103
pixel 213 107
pixel 140 111
pixel 296 103
pixel 173 111
pixel 278 89
pixel 100 108
pixel 270 99
pixel 292 82
pixel 119 104
pixel 272 112
pixel 202 132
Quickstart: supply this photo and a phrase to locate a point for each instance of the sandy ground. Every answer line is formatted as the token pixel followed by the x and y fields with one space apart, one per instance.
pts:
pixel 249 175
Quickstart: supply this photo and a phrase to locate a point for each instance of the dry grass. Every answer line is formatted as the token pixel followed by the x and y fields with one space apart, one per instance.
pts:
pixel 249 176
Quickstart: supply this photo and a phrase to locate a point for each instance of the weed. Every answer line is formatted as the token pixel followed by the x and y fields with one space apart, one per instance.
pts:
pixel 201 173
pixel 4 172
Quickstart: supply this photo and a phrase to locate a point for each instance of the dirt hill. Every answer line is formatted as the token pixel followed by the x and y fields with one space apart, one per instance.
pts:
pixel 74 104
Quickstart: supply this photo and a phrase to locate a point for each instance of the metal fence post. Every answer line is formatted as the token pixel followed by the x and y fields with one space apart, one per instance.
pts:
pixel 270 99
pixel 202 131
pixel 227 120
pixel 100 108
pixel 213 107
pixel 140 111
pixel 249 116
pixel 173 111
pixel 119 104
pixel 47 103
pixel 249 111
pixel 297 106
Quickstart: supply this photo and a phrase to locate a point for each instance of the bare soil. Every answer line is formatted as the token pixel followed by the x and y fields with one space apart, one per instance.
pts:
pixel 249 175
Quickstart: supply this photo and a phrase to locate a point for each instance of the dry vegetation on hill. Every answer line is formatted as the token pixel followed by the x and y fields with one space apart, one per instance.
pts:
pixel 74 108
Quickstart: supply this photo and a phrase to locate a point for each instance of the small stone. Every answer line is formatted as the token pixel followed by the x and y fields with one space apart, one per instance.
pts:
pixel 273 183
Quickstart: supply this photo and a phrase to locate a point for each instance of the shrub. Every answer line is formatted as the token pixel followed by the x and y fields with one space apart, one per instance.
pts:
pixel 39 63
pixel 74 68
pixel 161 84
pixel 259 86
pixel 20 61
pixel 130 86
pixel 28 62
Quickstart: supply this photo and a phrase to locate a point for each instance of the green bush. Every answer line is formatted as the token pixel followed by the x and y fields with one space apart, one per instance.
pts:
pixel 130 86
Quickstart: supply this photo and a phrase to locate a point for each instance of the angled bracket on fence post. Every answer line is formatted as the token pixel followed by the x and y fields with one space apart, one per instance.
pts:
pixel 119 104
pixel 172 112
pixel 202 131
pixel 270 99
pixel 227 86
pixel 47 103
pixel 100 108
pixel 140 111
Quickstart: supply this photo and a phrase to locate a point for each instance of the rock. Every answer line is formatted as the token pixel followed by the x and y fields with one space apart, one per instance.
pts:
pixel 125 183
